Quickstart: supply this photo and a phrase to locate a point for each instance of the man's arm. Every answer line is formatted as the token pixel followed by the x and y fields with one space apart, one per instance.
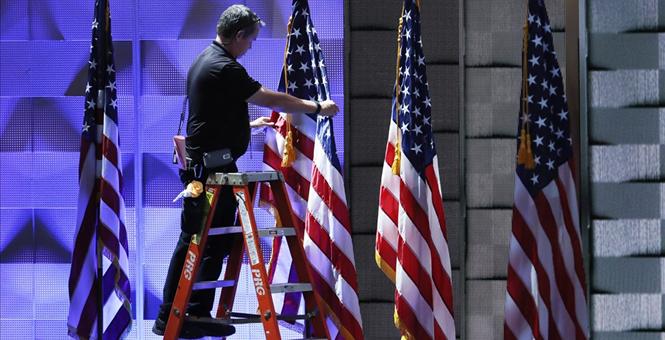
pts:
pixel 283 102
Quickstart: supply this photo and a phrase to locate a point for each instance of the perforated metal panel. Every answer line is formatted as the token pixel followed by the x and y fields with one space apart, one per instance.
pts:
pixel 43 68
pixel 625 96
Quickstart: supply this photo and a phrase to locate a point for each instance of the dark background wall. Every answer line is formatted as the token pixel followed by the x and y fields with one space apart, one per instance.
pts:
pixel 626 106
pixel 472 50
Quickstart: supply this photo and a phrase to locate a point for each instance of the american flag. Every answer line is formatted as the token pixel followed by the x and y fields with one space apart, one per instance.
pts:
pixel 315 184
pixel 545 296
pixel 100 305
pixel 411 244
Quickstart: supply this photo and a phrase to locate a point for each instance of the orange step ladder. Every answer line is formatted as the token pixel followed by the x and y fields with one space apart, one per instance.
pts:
pixel 244 189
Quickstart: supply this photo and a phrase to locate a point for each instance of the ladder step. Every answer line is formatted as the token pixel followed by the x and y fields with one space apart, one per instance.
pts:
pixel 237 178
pixel 290 287
pixel 277 232
pixel 224 230
pixel 243 318
pixel 197 319
pixel 213 284
pixel 263 232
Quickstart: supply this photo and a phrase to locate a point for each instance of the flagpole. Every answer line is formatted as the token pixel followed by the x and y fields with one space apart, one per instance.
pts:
pixel 101 102
pixel 138 180
pixel 101 106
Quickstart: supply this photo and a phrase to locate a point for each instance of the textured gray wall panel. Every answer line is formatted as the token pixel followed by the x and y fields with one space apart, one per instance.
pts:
pixel 628 336
pixel 494 30
pixel 628 275
pixel 458 299
pixel 454 230
pixel 627 126
pixel 621 163
pixel 365 182
pixel 617 51
pixel 485 301
pixel 447 148
pixel 375 14
pixel 440 27
pixel 623 15
pixel 488 240
pixel 491 120
pixel 626 312
pixel 494 15
pixel 372 65
pixel 378 320
pixel 661 44
pixel 503 48
pixel 624 88
pixel 492 101
pixel 373 284
pixel 626 200
pixel 627 237
pixel 437 17
pixel 490 172
pixel 493 86
pixel 444 90
pixel 369 122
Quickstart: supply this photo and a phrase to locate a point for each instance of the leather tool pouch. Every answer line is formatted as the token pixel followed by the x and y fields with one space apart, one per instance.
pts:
pixel 217 158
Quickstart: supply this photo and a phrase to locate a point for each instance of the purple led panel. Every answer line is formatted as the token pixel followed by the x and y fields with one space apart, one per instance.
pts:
pixel 44 46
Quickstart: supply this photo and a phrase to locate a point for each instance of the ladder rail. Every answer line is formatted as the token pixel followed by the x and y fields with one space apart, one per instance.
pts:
pixel 191 267
pixel 244 187
pixel 312 299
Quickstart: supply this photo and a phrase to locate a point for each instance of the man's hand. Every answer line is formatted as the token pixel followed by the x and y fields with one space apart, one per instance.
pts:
pixel 328 108
pixel 261 121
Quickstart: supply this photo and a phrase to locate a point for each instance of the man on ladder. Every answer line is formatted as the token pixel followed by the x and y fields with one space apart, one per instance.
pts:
pixel 218 133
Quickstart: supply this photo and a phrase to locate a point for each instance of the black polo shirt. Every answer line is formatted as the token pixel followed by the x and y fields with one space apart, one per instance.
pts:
pixel 218 87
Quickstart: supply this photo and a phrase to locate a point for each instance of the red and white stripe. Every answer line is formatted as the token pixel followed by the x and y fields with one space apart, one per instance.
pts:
pixel 545 296
pixel 99 174
pixel 316 190
pixel 412 248
pixel 82 289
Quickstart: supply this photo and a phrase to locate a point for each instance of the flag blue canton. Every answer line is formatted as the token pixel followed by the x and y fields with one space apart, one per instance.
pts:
pixel 101 77
pixel 547 114
pixel 306 73
pixel 412 106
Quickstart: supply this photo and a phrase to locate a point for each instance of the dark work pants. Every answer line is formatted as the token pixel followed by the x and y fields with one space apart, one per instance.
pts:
pixel 217 247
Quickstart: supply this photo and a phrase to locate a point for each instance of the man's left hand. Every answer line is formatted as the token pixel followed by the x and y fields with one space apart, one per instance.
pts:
pixel 261 121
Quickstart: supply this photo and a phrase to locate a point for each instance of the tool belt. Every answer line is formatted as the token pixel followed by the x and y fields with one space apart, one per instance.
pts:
pixel 199 170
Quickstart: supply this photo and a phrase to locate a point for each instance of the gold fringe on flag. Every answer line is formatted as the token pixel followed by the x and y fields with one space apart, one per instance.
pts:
pixel 524 153
pixel 397 159
pixel 289 155
pixel 398 151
